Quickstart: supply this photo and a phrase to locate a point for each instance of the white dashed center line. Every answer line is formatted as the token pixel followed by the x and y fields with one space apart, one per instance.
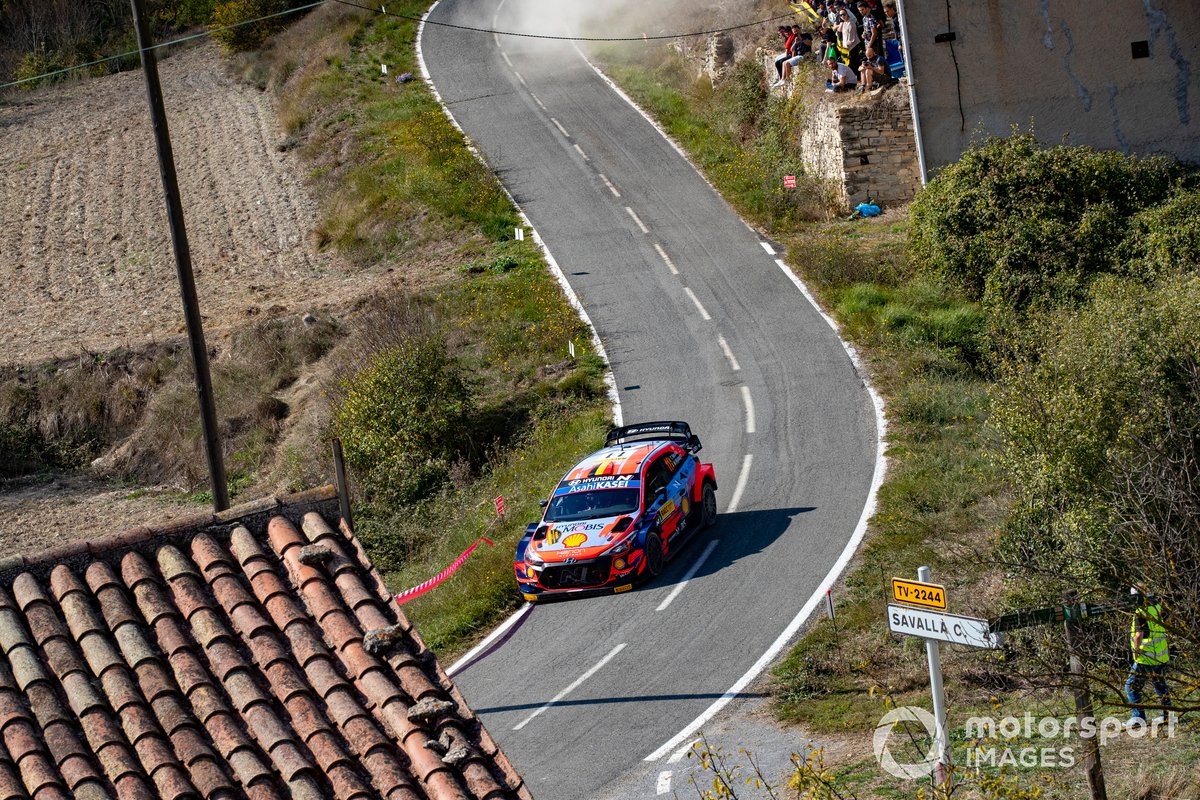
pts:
pixel 641 225
pixel 507 60
pixel 666 259
pixel 700 308
pixel 608 183
pixel 561 129
pixel 664 782
pixel 574 685
pixel 728 353
pixel 691 573
pixel 767 246
pixel 538 100
pixel 749 409
pixel 579 150
pixel 740 487
pixel 520 77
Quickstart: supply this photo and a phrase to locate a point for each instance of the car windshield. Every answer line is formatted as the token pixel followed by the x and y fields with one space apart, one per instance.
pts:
pixel 591 504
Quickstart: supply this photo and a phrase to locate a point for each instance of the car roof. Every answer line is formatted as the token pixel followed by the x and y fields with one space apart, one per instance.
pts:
pixel 618 459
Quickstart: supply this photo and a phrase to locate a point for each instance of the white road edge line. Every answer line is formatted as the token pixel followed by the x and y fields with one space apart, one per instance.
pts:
pixel 740 486
pixel 664 782
pixel 728 353
pixel 579 150
pixel 507 60
pixel 491 637
pixel 574 685
pixel 610 380
pixel 609 184
pixel 691 573
pixel 767 246
pixel 561 129
pixel 749 401
pixel 666 258
pixel 641 225
pixel 696 300
pixel 678 755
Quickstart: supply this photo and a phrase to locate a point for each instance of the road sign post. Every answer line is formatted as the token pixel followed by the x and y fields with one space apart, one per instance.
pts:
pixel 933 653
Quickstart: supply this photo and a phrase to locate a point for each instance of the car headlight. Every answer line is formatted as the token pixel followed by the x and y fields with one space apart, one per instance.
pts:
pixel 532 557
pixel 620 547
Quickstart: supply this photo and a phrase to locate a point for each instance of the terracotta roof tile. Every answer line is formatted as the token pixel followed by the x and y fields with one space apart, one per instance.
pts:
pixel 204 661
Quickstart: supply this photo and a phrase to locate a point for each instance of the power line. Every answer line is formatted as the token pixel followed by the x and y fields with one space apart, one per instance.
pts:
pixel 569 38
pixel 181 40
pixel 409 17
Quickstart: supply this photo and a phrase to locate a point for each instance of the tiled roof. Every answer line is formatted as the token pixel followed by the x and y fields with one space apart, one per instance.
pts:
pixel 252 654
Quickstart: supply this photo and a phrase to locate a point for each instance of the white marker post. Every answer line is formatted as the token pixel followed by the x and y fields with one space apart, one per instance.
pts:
pixel 571 347
pixel 520 234
pixel 384 68
pixel 934 654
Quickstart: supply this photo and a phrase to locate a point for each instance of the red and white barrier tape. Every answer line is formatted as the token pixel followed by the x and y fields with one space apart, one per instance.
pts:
pixel 420 589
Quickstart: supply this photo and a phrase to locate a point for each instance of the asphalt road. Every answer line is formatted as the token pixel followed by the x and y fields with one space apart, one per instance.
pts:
pixel 700 324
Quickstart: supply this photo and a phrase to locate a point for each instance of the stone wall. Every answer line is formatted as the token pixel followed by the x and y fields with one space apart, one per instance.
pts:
pixel 864 146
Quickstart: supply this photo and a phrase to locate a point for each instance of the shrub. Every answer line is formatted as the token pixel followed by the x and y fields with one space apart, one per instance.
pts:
pixel 403 418
pixel 1166 238
pixel 245 35
pixel 1013 224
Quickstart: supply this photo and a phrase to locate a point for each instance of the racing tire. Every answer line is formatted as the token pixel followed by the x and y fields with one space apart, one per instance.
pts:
pixel 654 555
pixel 708 504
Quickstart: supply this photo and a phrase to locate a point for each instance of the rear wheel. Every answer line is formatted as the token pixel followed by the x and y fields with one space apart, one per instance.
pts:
pixel 654 555
pixel 708 504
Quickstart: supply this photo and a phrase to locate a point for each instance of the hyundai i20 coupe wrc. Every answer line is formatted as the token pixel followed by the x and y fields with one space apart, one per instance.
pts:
pixel 619 514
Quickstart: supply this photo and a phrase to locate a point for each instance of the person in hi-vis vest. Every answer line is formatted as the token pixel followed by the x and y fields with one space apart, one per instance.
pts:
pixel 1148 641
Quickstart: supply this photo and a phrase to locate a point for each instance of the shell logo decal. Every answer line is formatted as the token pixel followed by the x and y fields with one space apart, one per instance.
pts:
pixel 575 540
pixel 685 505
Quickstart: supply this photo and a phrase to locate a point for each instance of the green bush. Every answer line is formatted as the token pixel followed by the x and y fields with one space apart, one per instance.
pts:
pixel 1166 238
pixel 1015 225
pixel 403 419
pixel 246 35
pixel 1079 388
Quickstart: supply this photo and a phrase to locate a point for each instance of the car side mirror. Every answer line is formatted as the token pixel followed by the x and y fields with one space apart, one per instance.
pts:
pixel 543 503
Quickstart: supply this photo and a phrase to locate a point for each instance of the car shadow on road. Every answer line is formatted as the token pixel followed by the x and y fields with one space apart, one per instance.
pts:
pixel 742 533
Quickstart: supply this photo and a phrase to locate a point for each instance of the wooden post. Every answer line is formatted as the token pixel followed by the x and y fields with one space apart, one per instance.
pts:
pixel 1083 699
pixel 343 486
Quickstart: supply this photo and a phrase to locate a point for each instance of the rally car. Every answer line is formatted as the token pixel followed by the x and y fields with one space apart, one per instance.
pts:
pixel 619 514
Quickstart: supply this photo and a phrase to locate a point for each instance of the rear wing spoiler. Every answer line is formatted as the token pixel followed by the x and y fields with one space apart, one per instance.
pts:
pixel 664 430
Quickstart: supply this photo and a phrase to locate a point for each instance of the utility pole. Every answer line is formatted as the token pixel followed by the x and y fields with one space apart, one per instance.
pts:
pixel 183 264
pixel 1083 699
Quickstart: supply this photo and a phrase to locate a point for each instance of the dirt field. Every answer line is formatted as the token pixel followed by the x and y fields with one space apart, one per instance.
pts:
pixel 85 251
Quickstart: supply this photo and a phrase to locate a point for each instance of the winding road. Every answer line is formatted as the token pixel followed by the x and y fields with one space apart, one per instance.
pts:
pixel 599 697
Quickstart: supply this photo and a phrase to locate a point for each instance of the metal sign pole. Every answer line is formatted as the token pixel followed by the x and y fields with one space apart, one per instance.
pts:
pixel 933 653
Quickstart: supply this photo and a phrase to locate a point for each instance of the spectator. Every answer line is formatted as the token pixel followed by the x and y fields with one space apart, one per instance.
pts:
pixel 891 24
pixel 873 73
pixel 789 38
pixel 848 36
pixel 870 28
pixel 802 48
pixel 828 45
pixel 842 78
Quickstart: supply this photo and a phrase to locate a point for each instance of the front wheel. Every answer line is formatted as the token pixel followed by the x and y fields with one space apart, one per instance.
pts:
pixel 708 504
pixel 654 555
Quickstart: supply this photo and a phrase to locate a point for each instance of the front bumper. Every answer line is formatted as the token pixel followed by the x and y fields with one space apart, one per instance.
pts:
pixel 607 574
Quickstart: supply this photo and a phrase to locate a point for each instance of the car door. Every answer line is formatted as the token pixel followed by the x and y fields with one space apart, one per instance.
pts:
pixel 667 489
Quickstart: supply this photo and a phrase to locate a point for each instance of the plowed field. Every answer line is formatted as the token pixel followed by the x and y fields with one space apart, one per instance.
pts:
pixel 85 251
